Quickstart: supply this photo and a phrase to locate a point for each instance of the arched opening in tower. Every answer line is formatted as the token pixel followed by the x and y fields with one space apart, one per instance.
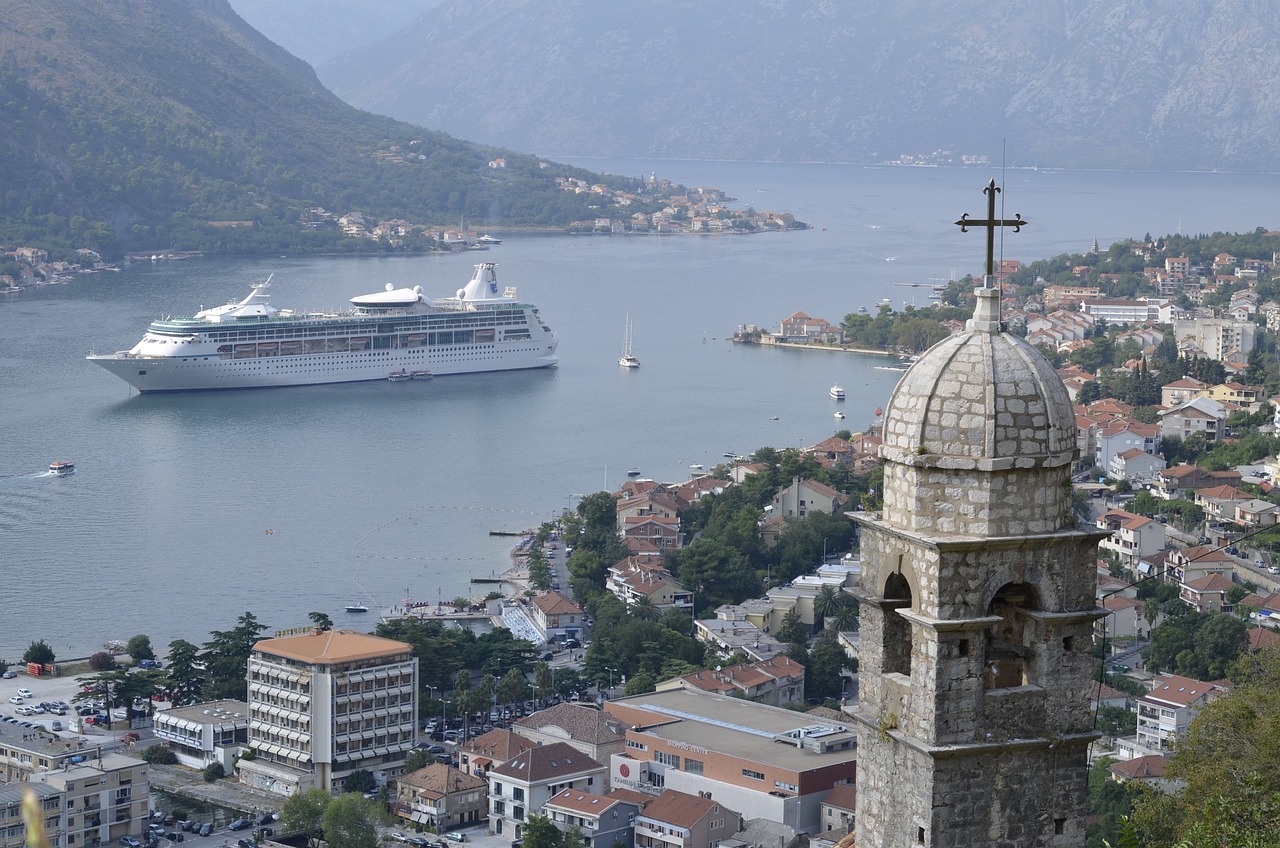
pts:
pixel 1009 641
pixel 897 630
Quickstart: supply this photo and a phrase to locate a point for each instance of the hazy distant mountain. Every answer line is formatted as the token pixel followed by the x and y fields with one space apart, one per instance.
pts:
pixel 131 121
pixel 1093 83
pixel 317 30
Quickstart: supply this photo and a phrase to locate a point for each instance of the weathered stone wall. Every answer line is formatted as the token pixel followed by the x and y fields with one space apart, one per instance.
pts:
pixel 938 500
pixel 1023 796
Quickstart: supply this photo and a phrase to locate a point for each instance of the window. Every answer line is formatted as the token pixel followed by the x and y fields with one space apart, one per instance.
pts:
pixel 517 793
pixel 756 775
pixel 639 746
pixel 497 788
pixel 666 759
pixel 517 813
pixel 499 808
pixel 692 766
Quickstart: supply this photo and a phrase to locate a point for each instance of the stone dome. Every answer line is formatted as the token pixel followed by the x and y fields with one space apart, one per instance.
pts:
pixel 981 400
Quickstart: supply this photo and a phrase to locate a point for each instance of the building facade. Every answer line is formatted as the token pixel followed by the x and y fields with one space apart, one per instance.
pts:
pixel 325 704
pixel 103 799
pixel 203 734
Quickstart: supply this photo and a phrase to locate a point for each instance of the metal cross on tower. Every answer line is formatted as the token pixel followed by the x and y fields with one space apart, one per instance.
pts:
pixel 991 223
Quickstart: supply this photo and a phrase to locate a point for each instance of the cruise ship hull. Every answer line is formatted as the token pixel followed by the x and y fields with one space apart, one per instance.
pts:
pixel 201 373
pixel 251 344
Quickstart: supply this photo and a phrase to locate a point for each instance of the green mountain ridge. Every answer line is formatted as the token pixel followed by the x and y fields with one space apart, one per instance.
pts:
pixel 129 124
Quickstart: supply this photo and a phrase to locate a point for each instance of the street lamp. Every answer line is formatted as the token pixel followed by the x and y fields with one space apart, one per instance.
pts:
pixel 611 673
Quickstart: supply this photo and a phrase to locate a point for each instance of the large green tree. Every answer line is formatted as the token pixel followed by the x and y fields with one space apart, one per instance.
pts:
pixel 226 658
pixel 303 812
pixel 1226 793
pixel 184 679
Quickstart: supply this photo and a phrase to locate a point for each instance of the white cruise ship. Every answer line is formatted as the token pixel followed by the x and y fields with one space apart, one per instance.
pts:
pixel 252 344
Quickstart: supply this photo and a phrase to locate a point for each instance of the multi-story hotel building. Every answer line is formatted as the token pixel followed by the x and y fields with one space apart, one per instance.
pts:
pixel 325 704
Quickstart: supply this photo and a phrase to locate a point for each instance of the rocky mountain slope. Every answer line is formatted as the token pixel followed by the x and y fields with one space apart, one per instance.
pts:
pixel 318 30
pixel 1087 83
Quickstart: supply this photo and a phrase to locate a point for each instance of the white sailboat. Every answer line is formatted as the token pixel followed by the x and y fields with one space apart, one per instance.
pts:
pixel 627 360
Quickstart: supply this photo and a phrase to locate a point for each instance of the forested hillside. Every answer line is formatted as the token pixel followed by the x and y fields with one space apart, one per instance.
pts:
pixel 130 124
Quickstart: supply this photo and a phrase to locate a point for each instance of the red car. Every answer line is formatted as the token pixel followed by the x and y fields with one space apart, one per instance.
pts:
pixel 129 737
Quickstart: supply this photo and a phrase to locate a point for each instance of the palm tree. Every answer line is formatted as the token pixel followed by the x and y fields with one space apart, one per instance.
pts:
pixel 543 681
pixel 846 617
pixel 828 600
pixel 643 609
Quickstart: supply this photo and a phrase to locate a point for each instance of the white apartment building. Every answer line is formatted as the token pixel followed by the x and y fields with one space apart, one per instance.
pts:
pixel 1217 337
pixel 326 703
pixel 104 798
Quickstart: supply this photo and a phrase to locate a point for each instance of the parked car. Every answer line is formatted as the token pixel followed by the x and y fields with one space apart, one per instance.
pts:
pixel 419 842
pixel 206 828
pixel 240 824
pixel 9 674
pixel 245 843
pixel 455 836
pixel 398 836
pixel 131 737
pixel 25 693
pixel 56 725
pixel 25 711
pixel 130 842
pixel 14 699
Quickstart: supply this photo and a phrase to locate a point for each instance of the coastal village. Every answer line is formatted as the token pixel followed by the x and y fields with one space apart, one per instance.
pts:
pixel 668 209
pixel 809 680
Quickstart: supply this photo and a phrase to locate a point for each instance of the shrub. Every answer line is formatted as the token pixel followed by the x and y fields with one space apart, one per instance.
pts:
pixel 159 755
pixel 214 771
pixel 102 661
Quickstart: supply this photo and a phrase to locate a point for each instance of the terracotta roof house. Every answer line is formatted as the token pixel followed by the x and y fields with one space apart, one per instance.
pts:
pixel 1125 620
pixel 1122 434
pixel 1132 536
pixel 594 733
pixel 1107 696
pixel 1180 391
pixel 441 796
pixel 603 820
pixel 679 820
pixel 525 783
pixel 1188 564
pixel 1199 415
pixel 487 751
pixel 662 533
pixel 1181 480
pixel 638 577
pixel 701 486
pixel 1208 593
pixel 1165 712
pixel 1149 769
pixel 778 681
pixel 653 502
pixel 553 614
pixel 839 806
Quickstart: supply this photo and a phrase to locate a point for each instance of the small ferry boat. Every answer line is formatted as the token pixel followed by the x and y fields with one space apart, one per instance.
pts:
pixel 420 375
pixel 836 392
pixel 62 466
pixel 399 376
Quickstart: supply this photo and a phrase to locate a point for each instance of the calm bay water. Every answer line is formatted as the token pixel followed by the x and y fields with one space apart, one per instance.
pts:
pixel 164 528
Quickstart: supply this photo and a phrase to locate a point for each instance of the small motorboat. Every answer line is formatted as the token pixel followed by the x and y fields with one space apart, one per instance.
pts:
pixel 357 608
pixel 62 466
pixel 420 375
pixel 635 472
pixel 399 376
pixel 839 415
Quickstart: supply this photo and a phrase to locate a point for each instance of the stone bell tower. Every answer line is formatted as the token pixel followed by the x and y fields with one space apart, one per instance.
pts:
pixel 977 605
